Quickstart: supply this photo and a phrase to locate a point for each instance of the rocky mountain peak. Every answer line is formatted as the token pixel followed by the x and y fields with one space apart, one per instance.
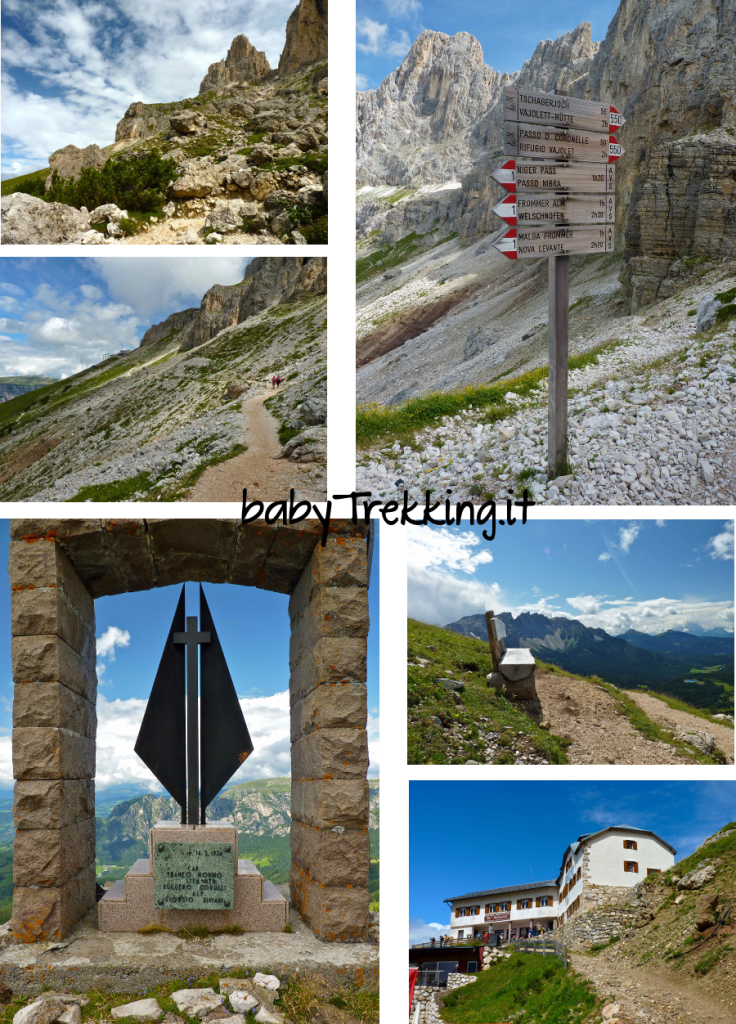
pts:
pixel 243 64
pixel 306 36
pixel 559 63
pixel 418 126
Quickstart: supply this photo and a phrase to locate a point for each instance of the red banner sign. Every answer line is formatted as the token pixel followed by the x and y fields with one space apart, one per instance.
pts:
pixel 412 982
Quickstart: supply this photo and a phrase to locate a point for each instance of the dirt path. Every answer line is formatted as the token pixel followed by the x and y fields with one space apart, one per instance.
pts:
pixel 667 716
pixel 600 731
pixel 645 998
pixel 258 469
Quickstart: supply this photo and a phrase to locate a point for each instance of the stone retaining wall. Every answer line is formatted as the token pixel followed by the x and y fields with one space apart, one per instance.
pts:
pixel 427 997
pixel 607 911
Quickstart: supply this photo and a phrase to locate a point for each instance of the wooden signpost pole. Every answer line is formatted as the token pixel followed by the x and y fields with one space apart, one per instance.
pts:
pixel 559 301
pixel 562 184
pixel 558 345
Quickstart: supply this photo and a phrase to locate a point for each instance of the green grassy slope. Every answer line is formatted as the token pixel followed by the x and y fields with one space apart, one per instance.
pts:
pixel 526 988
pixel 467 659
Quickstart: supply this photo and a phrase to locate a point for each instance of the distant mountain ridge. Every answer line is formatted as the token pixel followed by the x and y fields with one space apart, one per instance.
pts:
pixel 665 665
pixel 12 386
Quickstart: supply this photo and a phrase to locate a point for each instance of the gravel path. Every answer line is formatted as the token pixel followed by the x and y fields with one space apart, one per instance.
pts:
pixel 645 998
pixel 667 716
pixel 267 477
pixel 600 731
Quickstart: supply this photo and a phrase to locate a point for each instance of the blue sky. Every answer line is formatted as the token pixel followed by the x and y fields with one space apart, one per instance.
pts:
pixel 543 818
pixel 71 68
pixel 253 626
pixel 60 314
pixel 617 575
pixel 507 32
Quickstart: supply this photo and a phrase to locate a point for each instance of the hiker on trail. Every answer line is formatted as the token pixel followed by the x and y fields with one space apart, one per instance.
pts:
pixel 273 383
pixel 278 381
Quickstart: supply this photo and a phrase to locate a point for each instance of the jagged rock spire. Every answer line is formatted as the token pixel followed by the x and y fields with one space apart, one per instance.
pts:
pixel 243 64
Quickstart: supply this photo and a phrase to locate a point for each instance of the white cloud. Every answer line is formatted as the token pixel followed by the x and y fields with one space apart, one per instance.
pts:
pixel 14 326
pixel 439 562
pixel 91 291
pixel 112 637
pixel 150 284
pixel 375 34
pixel 10 304
pixel 585 605
pixel 627 535
pixel 399 47
pixel 402 8
pixel 605 557
pixel 11 289
pixel 361 82
pixel 721 545
pixel 91 61
pixel 661 523
pixel 421 932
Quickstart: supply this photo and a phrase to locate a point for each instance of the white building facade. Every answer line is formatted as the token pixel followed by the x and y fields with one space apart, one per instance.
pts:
pixel 598 867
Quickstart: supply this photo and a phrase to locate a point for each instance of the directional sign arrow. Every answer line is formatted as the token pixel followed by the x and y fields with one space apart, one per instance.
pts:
pixel 520 175
pixel 560 111
pixel 529 208
pixel 534 140
pixel 549 240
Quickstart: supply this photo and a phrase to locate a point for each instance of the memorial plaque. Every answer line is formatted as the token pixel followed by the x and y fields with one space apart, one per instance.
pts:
pixel 194 876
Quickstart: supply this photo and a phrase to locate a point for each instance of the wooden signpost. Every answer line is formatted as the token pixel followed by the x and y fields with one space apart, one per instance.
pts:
pixel 521 175
pixel 553 240
pixel 527 208
pixel 561 180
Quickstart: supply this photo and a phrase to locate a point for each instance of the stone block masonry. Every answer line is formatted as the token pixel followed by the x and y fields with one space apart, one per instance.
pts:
pixel 606 911
pixel 57 568
pixel 427 997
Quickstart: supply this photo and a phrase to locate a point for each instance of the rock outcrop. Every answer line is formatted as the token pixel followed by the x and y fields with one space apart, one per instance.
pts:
pixel 70 160
pixel 268 281
pixel 27 220
pixel 172 324
pixel 669 69
pixel 243 64
pixel 422 124
pixel 306 36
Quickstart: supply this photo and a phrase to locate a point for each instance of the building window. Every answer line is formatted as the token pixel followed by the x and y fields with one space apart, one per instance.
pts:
pixel 631 865
pixel 544 901
pixel 579 874
pixel 629 844
pixel 472 967
pixel 523 904
pixel 461 934
pixel 654 871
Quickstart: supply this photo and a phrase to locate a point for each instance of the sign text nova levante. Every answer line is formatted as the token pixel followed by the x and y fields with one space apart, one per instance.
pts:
pixel 562 202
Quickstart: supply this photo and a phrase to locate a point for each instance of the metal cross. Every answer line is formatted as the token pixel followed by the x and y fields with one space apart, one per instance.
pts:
pixel 192 639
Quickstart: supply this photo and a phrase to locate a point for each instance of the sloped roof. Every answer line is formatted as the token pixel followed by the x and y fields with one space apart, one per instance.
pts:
pixel 524 887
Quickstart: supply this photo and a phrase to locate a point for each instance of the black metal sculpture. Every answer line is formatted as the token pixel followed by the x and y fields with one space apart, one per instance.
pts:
pixel 170 741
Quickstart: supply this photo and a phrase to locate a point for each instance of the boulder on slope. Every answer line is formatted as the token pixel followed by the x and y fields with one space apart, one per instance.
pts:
pixel 27 220
pixel 70 160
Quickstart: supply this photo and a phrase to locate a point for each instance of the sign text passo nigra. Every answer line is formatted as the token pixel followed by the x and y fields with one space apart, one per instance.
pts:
pixel 194 876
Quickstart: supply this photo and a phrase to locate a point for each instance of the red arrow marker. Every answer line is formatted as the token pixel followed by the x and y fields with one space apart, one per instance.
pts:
pixel 506 175
pixel 507 244
pixel 617 120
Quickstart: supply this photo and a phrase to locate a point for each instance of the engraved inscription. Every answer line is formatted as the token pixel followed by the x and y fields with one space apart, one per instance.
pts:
pixel 194 876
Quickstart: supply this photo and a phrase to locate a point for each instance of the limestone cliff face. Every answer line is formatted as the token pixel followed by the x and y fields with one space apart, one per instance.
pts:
pixel 243 64
pixel 670 69
pixel 268 282
pixel 175 322
pixel 424 123
pixel 306 36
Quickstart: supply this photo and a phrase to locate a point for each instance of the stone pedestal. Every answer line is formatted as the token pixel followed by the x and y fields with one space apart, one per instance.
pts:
pixel 175 897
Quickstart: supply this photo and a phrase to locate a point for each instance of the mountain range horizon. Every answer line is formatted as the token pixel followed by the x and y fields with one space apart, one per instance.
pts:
pixel 696 669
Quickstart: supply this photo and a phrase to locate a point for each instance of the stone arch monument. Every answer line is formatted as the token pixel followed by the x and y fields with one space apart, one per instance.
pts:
pixel 57 568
